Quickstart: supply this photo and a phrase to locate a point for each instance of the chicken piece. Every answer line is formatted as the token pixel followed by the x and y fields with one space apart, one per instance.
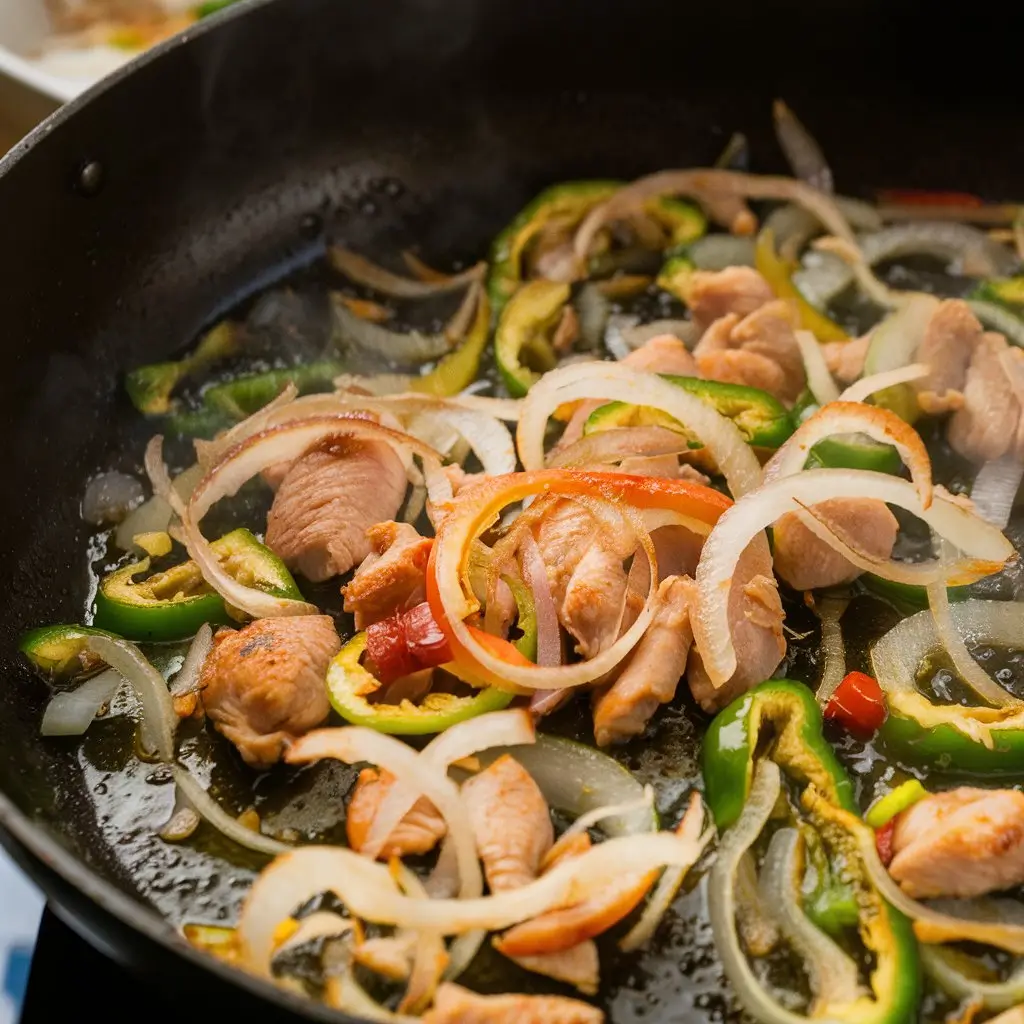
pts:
pixel 664 353
pixel 949 341
pixel 392 577
pixel 758 351
pixel 454 1004
pixel 592 606
pixel 666 466
pixel 986 426
pixel 263 685
pixel 329 499
pixel 711 294
pixel 806 562
pixel 579 966
pixel 964 843
pixel 510 821
pixel 845 359
pixel 755 620
pixel 653 671
pixel 418 832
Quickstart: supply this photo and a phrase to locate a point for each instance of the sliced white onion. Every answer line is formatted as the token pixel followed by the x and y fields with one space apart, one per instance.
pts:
pixel 749 516
pixel 497 728
pixel 429 959
pixel 895 340
pixel 208 453
pixel 942 963
pixel 208 808
pixel 71 712
pixel 365 272
pixel 995 489
pixel 855 418
pixel 615 382
pixel 156 470
pixel 187 679
pixel 832 973
pixel 370 893
pixel 353 744
pixel 764 793
pixel 642 805
pixel 109 497
pixel 833 649
pixel 819 378
pixel 661 899
pixel 802 150
pixel 462 952
pixel 158 718
pixel 321 924
pixel 535 576
pixel 867 386
pixel 251 457
pixel 717 252
pixel 969 251
pixel 154 515
pixel 930 925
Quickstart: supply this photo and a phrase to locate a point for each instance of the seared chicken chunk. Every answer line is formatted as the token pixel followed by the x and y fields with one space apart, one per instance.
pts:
pixel 755 620
pixel 806 562
pixel 653 671
pixel 392 577
pixel 845 359
pixel 263 685
pixel 711 294
pixel 454 1004
pixel 949 341
pixel 510 821
pixel 960 844
pixel 328 500
pixel 418 832
pixel 986 427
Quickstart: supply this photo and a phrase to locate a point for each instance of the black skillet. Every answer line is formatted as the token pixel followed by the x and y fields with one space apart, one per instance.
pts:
pixel 139 213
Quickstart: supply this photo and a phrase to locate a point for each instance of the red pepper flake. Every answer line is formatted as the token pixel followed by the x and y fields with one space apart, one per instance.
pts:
pixel 925 197
pixel 858 705
pixel 405 643
pixel 883 841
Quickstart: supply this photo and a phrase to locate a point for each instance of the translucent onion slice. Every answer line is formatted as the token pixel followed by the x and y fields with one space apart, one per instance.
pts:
pixel 802 151
pixel 642 805
pixel 764 793
pixel 855 418
pixel 156 470
pixel 999 319
pixel 832 973
pixel 739 525
pixel 71 712
pixel 714 189
pixel 830 611
pixel 897 338
pixel 819 378
pixel 949 968
pixel 208 809
pixel 430 957
pixel 462 740
pixel 867 386
pixel 615 382
pixel 535 576
pixel 252 456
pixel 187 679
pixel 321 924
pixel 932 926
pixel 353 744
pixel 365 272
pixel 154 515
pixel 995 489
pixel 369 892
pixel 159 721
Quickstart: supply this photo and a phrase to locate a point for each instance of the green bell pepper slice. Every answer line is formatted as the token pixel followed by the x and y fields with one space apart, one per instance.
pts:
pixel 59 653
pixel 522 350
pixel 1004 291
pixel 349 686
pixel 781 720
pixel 762 419
pixel 150 387
pixel 173 604
pixel 242 397
pixel 683 221
pixel 457 370
pixel 568 202
pixel 674 276
pixel 896 801
pixel 854 453
pixel 906 597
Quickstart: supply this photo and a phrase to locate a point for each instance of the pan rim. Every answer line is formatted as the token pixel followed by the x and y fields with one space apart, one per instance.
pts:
pixel 18 833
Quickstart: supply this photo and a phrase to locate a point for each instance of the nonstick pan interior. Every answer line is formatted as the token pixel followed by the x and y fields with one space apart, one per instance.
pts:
pixel 139 214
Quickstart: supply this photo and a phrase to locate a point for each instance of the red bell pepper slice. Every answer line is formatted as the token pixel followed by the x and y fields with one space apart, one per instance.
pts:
pixel 405 643
pixel 884 841
pixel 858 705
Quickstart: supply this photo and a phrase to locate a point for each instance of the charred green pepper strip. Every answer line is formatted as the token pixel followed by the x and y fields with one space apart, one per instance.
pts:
pixel 242 397
pixel 521 346
pixel 172 605
pixel 349 686
pixel 570 201
pixel 457 370
pixel 60 652
pixel 762 419
pixel 683 221
pixel 905 597
pixel 150 387
pixel 781 720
